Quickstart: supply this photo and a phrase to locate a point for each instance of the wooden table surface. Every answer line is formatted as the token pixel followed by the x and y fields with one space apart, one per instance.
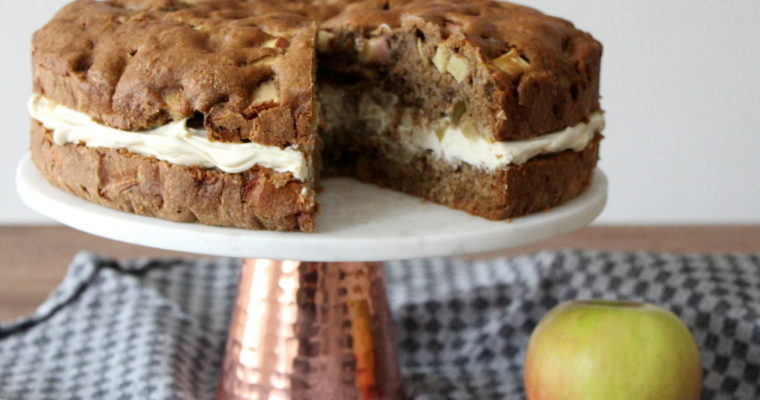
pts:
pixel 34 259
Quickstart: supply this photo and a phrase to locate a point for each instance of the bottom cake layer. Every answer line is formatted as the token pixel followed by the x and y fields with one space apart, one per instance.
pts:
pixel 259 198
pixel 540 184
pixel 264 199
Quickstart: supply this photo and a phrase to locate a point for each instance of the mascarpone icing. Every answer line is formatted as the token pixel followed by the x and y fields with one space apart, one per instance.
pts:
pixel 457 144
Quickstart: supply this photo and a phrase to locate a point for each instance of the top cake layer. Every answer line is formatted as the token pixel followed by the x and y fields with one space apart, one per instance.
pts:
pixel 244 70
pixel 523 73
pixel 139 64
pixel 247 65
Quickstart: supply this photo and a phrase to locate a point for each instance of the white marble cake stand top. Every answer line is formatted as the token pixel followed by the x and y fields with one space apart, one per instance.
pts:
pixel 357 222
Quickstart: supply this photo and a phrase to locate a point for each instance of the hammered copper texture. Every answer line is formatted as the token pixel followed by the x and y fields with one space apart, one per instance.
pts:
pixel 313 331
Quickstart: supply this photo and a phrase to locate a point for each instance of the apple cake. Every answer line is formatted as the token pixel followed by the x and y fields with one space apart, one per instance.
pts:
pixel 228 112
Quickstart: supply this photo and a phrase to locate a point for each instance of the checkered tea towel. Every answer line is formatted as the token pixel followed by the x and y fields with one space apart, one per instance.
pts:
pixel 155 329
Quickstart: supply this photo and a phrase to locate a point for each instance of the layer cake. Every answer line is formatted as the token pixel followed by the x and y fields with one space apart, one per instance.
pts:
pixel 228 112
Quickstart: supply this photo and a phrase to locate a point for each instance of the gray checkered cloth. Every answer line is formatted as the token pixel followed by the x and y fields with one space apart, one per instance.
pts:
pixel 156 329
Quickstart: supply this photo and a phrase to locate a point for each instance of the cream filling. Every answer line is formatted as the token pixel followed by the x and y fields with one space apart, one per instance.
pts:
pixel 175 142
pixel 179 144
pixel 462 144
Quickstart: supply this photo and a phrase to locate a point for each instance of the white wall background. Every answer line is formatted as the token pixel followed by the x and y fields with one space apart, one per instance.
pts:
pixel 681 86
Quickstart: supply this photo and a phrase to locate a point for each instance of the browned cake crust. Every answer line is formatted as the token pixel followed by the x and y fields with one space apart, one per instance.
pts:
pixel 256 199
pixel 522 73
pixel 139 64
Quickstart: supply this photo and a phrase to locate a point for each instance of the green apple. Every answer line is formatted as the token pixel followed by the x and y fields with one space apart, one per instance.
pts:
pixel 603 350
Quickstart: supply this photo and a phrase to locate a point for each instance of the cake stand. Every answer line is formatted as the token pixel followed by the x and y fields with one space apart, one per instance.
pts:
pixel 318 327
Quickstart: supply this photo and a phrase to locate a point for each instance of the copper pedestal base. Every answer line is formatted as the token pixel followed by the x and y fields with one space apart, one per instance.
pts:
pixel 305 330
